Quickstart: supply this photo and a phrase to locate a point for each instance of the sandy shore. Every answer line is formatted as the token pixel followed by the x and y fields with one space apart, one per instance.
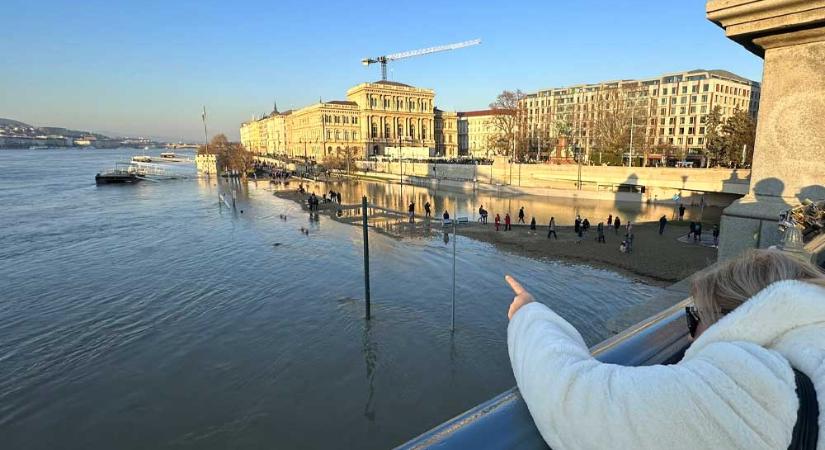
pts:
pixel 656 259
pixel 660 258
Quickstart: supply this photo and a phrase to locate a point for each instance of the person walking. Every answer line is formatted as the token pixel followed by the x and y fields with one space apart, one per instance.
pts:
pixel 497 221
pixel 681 211
pixel 411 210
pixel 585 225
pixel 580 235
pixel 521 215
pixel 609 220
pixel 533 223
pixel 600 233
pixel 507 226
pixel 616 224
pixel 629 227
pixel 482 214
pixel 427 211
pixel 697 234
pixel 577 225
pixel 692 229
pixel 662 224
pixel 749 380
pixel 445 216
pixel 551 229
pixel 716 235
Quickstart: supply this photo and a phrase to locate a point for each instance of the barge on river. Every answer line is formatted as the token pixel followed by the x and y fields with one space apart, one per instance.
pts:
pixel 120 174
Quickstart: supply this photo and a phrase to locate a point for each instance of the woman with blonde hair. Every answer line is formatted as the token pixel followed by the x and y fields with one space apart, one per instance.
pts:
pixel 759 328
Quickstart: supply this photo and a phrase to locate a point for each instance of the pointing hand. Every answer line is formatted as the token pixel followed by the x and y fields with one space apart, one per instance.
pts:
pixel 522 296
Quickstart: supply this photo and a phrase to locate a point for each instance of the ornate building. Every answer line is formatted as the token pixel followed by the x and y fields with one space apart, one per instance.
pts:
pixel 446 134
pixel 375 116
pixel 394 114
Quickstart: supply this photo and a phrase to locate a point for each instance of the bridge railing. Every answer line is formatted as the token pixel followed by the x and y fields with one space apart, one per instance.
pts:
pixel 504 421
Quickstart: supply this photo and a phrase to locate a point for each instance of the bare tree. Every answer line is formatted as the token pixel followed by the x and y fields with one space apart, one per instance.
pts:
pixel 616 110
pixel 507 123
pixel 231 155
pixel 739 133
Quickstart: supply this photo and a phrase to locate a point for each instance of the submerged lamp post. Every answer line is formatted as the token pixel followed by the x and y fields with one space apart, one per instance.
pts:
pixel 366 257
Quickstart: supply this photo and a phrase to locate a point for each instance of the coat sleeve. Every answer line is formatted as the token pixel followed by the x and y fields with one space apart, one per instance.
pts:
pixel 733 395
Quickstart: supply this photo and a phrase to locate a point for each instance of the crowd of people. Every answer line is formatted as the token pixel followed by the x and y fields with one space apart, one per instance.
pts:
pixel 582 227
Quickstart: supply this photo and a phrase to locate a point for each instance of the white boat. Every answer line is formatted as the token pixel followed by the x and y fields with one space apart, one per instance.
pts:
pixel 38 147
pixel 142 158
pixel 168 155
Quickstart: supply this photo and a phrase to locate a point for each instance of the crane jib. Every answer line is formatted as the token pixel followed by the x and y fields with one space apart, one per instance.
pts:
pixel 424 51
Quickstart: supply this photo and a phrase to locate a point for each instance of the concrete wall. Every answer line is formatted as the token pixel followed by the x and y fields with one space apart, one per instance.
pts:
pixel 717 186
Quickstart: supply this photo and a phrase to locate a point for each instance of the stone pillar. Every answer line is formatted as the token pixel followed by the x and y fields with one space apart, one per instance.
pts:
pixel 789 155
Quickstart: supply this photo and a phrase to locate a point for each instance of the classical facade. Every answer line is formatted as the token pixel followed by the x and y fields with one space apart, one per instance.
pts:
pixel 394 114
pixel 374 117
pixel 325 129
pixel 446 134
pixel 672 109
pixel 477 130
pixel 266 135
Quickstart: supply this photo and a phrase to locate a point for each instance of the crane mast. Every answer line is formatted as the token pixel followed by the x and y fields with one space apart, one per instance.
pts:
pixel 383 60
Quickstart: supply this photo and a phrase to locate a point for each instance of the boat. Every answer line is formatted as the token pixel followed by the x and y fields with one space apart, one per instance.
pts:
pixel 39 147
pixel 141 158
pixel 168 155
pixel 121 174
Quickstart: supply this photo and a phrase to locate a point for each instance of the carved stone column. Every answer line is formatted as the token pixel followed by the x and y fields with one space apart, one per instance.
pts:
pixel 789 155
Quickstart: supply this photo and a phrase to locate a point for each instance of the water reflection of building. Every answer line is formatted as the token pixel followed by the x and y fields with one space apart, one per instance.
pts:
pixel 374 117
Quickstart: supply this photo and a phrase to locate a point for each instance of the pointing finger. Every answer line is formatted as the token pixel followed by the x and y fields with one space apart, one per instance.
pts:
pixel 515 285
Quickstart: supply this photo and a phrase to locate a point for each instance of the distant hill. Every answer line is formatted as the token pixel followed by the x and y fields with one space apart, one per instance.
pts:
pixel 13 123
pixel 16 134
pixel 53 131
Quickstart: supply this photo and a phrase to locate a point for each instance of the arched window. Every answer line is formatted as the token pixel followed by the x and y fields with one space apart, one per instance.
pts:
pixel 412 131
pixel 374 129
pixel 386 129
pixel 423 131
pixel 337 135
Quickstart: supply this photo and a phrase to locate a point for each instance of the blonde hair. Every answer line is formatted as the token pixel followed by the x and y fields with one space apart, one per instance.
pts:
pixel 724 286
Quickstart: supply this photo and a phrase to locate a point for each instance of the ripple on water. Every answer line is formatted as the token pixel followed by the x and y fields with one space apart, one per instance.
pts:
pixel 147 317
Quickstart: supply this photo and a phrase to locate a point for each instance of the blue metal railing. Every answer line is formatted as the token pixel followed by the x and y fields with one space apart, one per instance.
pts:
pixel 504 422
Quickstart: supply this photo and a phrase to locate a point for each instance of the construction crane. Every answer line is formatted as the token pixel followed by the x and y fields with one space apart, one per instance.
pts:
pixel 424 51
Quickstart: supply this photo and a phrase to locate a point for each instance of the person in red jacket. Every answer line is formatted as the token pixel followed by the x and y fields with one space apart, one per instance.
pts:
pixel 507 222
pixel 498 221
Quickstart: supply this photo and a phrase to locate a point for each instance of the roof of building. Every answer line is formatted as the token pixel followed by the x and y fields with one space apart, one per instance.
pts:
pixel 717 72
pixel 392 83
pixel 484 112
pixel 725 74
pixel 342 102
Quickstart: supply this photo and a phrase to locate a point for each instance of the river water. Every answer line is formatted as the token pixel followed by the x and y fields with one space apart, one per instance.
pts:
pixel 147 316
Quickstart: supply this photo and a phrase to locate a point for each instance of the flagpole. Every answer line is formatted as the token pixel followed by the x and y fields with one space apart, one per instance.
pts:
pixel 205 136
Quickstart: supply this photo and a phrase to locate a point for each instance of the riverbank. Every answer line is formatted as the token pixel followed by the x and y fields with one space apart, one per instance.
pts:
pixel 660 259
pixel 656 259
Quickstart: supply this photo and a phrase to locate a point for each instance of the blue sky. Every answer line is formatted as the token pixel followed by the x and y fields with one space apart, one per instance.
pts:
pixel 147 67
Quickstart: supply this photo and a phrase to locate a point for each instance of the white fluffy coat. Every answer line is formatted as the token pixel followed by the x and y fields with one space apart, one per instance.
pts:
pixel 734 389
